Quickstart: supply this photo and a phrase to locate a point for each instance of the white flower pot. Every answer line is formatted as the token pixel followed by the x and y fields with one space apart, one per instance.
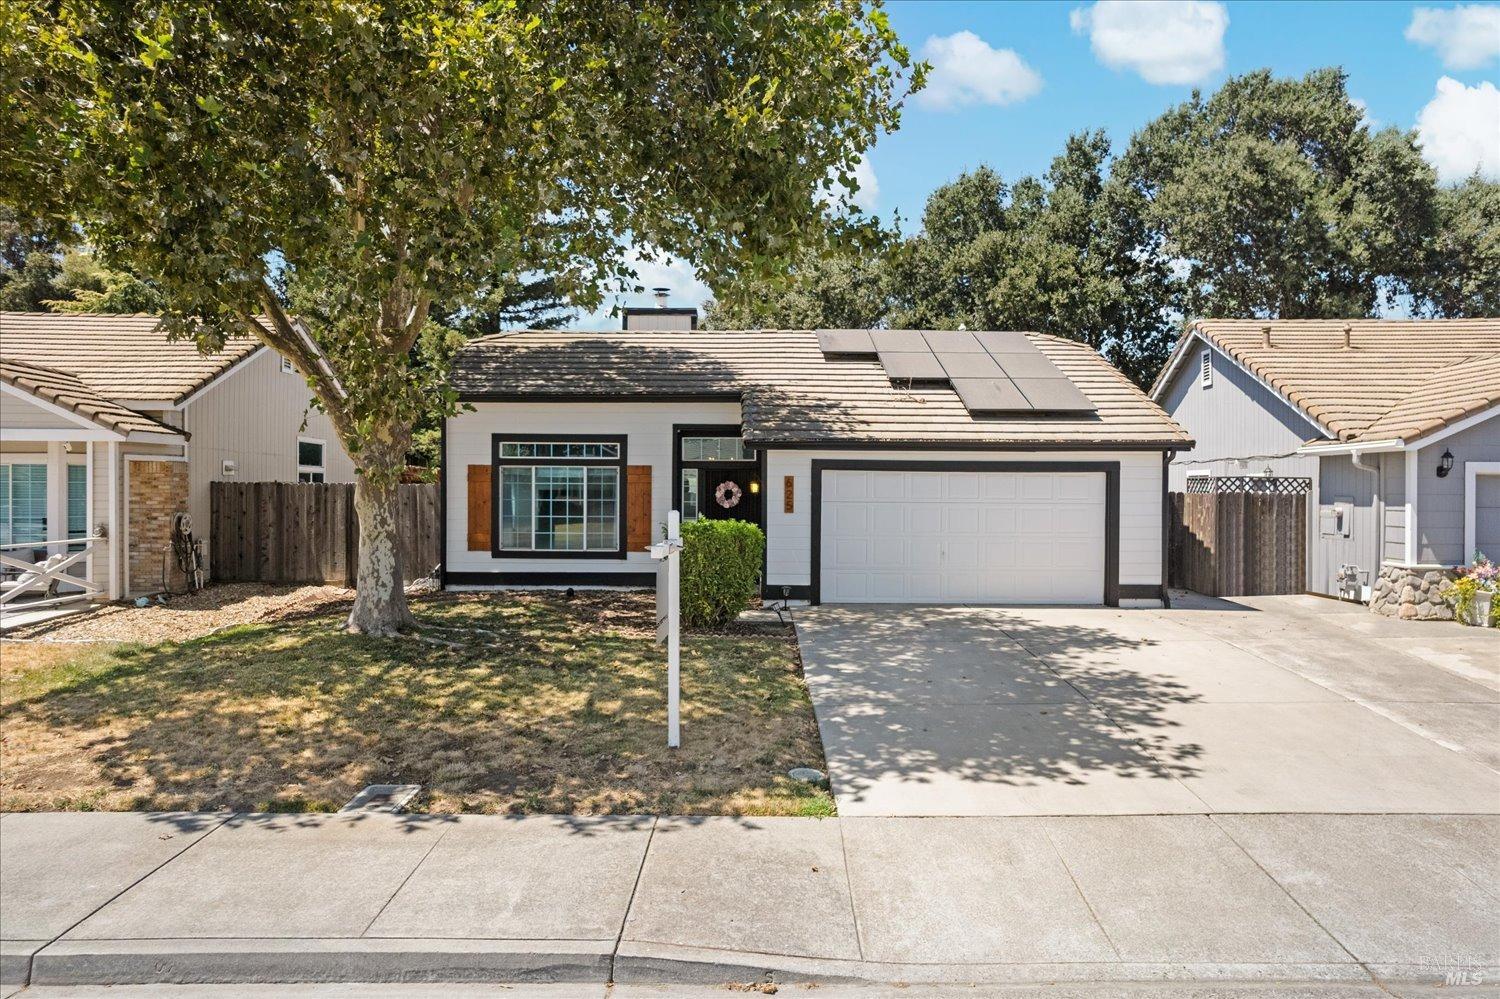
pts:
pixel 1479 613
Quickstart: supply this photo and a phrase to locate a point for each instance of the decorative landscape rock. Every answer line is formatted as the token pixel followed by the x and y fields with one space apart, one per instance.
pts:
pixel 1412 594
pixel 807 775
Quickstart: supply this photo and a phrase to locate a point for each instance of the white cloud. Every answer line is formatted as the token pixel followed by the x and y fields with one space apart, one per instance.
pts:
pixel 1370 121
pixel 864 199
pixel 1163 41
pixel 1460 130
pixel 966 70
pixel 684 289
pixel 1465 37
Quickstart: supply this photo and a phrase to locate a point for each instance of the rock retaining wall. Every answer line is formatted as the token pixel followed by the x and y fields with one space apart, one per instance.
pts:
pixel 1411 593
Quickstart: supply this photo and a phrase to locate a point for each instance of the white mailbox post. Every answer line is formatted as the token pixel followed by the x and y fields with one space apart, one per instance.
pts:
pixel 668 619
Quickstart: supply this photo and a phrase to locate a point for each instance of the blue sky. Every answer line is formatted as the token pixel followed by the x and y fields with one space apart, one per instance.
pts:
pixel 1012 80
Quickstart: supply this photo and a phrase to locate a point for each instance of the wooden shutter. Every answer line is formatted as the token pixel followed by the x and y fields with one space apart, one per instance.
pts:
pixel 637 508
pixel 479 507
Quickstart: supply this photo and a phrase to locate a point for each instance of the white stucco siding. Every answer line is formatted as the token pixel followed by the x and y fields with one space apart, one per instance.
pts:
pixel 647 428
pixel 1234 418
pixel 789 535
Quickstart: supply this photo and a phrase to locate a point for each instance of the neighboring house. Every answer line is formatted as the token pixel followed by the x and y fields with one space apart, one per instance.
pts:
pixel 109 429
pixel 1394 421
pixel 884 466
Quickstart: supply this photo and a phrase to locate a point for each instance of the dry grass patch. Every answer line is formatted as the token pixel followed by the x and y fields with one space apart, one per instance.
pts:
pixel 512 703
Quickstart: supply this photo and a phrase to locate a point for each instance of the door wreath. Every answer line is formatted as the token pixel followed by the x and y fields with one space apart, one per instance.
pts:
pixel 728 494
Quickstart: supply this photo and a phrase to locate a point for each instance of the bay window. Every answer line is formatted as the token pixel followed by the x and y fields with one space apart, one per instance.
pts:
pixel 559 496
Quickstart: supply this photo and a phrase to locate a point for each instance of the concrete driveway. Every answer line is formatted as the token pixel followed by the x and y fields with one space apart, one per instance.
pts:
pixel 1268 704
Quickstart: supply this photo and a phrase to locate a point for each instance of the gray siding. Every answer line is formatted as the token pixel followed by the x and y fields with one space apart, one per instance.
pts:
pixel 1234 418
pixel 1338 481
pixel 19 414
pixel 253 418
pixel 1393 499
pixel 1440 502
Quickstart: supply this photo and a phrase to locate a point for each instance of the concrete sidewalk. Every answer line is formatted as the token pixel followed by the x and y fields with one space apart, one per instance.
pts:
pixel 149 898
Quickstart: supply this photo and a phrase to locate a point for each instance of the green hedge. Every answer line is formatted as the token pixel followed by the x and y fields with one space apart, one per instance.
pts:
pixel 721 562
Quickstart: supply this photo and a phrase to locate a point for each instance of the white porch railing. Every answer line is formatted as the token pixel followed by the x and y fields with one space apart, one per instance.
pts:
pixel 46 576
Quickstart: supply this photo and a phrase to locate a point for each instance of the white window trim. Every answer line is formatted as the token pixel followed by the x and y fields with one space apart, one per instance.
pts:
pixel 1472 471
pixel 1206 368
pixel 286 365
pixel 311 469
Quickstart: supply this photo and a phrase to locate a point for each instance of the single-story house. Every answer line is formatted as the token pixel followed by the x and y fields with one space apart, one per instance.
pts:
pixel 1395 422
pixel 884 466
pixel 108 430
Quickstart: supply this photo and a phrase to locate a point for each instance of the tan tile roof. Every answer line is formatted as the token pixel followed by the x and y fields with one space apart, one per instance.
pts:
pixel 1399 378
pixel 791 393
pixel 62 389
pixel 121 357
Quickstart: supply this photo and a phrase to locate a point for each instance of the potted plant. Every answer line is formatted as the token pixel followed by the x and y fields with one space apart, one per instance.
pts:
pixel 1473 593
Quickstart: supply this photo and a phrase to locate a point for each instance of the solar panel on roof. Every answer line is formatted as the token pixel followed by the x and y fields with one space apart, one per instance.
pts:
pixel 902 340
pixel 1036 365
pixel 953 341
pixel 1054 395
pixel 1005 343
pixel 959 365
pixel 845 342
pixel 990 395
pixel 911 364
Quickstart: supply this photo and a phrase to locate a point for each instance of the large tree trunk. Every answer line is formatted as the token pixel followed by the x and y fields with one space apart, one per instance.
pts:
pixel 379 600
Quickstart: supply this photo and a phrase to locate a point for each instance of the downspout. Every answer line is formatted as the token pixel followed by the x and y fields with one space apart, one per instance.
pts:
pixel 1357 458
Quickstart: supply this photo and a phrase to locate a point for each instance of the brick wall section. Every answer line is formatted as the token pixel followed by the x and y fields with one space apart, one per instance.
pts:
pixel 158 491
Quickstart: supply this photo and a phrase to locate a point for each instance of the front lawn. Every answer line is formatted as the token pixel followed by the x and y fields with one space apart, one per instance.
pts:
pixel 506 703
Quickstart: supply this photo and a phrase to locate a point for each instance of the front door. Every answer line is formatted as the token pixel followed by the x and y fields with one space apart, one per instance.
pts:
pixel 729 493
pixel 718 476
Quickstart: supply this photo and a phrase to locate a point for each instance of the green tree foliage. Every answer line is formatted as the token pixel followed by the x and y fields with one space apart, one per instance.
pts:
pixel 84 284
pixel 1274 199
pixel 29 264
pixel 39 273
pixel 1461 276
pixel 838 285
pixel 383 159
pixel 1060 254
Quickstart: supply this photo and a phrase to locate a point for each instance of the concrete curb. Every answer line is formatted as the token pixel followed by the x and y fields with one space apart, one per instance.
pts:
pixel 15 960
pixel 363 960
pixel 647 963
pixel 469 961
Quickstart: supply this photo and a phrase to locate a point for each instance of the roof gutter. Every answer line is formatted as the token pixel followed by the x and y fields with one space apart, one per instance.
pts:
pixel 1353 447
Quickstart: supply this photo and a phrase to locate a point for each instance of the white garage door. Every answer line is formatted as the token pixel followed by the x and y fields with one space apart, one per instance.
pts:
pixel 962 537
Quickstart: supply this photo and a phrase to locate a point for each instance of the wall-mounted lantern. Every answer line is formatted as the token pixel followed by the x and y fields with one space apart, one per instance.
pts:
pixel 1445 464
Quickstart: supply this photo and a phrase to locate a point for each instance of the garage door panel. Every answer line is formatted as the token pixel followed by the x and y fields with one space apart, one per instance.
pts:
pixel 887 519
pixel 849 519
pixel 1034 520
pixel 998 486
pixel 847 485
pixel 924 485
pixel 963 537
pixel 1038 487
pixel 1001 520
pixel 1080 486
pixel 925 519
pixel 962 520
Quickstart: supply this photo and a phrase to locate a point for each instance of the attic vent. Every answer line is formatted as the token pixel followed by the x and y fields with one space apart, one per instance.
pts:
pixel 1206 368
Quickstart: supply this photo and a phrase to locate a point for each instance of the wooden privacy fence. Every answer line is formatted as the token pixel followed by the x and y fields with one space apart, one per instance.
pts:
pixel 1239 544
pixel 307 532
